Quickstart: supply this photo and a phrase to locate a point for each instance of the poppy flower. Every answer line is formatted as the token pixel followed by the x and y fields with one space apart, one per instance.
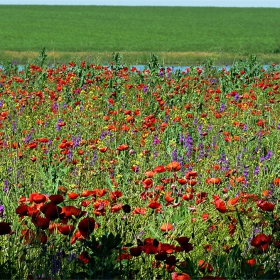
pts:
pixel 51 211
pixel 41 222
pixel 204 266
pixel 184 243
pixel 187 197
pixel 124 256
pixel 166 227
pixel 22 210
pixel 86 226
pixel 232 201
pixel 147 183
pixel 86 193
pixel 180 276
pixel 136 251
pixel 154 205
pixel 191 174
pixel 73 195
pixel 171 260
pixel 266 205
pixel 205 216
pixel 122 147
pixel 56 198
pixel 65 229
pixel 149 174
pixel 261 242
pixel 114 195
pixel 140 211
pixel 37 198
pixel 69 211
pixel 5 228
pixel 213 181
pixel 276 182
pixel 182 181
pixel 161 256
pixel 150 249
pixel 220 206
pixel 251 262
pixel 84 257
pixel 173 166
pixel 159 169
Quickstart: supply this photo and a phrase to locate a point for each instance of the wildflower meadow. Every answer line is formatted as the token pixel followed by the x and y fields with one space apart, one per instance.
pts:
pixel 111 172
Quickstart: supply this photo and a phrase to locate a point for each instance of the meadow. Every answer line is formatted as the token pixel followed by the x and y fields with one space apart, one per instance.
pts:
pixel 109 172
pixel 179 35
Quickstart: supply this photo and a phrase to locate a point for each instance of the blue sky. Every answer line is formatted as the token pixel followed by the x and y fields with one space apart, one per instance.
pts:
pixel 219 3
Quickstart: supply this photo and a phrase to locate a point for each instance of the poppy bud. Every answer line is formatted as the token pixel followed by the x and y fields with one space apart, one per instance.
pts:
pixel 126 208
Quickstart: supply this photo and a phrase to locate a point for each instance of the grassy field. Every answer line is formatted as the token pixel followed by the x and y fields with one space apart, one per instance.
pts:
pixel 180 35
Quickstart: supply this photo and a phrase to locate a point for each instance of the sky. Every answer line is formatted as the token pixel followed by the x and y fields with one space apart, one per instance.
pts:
pixel 216 3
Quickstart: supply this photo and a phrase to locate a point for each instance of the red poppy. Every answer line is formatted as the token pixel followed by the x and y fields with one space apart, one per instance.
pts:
pixel 116 208
pixel 147 183
pixel 84 257
pixel 28 235
pixel 232 201
pixel 60 124
pixel 191 182
pixel 5 228
pixel 261 242
pixel 136 251
pixel 65 229
pixel 124 256
pixel 220 206
pixel 73 195
pixel 159 169
pixel 251 262
pixel 149 174
pixel 138 210
pixel 56 198
pixel 265 205
pixel 173 166
pixel 204 266
pixel 171 260
pixel 122 147
pixel 86 193
pixel 188 196
pixel 154 205
pixel 205 216
pixel 180 276
pixel 37 198
pixel 182 181
pixel 41 222
pixel 69 211
pixel 214 181
pixel 184 243
pixel 166 227
pixel 161 256
pixel 86 226
pixel 22 210
pixel 114 195
pixel 276 182
pixel 51 211
pixel 191 174
pixel 32 145
pixel 150 249
pixel 103 149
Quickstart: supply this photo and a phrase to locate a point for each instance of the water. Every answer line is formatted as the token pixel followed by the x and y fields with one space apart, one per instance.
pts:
pixel 173 68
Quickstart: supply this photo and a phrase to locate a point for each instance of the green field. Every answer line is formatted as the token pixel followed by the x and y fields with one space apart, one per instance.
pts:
pixel 178 34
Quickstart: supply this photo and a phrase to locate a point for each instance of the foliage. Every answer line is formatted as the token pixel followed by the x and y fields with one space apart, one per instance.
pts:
pixel 111 172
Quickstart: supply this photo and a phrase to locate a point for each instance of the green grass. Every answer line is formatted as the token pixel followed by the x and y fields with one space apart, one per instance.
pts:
pixel 99 29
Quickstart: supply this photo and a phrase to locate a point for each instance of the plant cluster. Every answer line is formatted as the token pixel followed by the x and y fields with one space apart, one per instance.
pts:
pixel 109 172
